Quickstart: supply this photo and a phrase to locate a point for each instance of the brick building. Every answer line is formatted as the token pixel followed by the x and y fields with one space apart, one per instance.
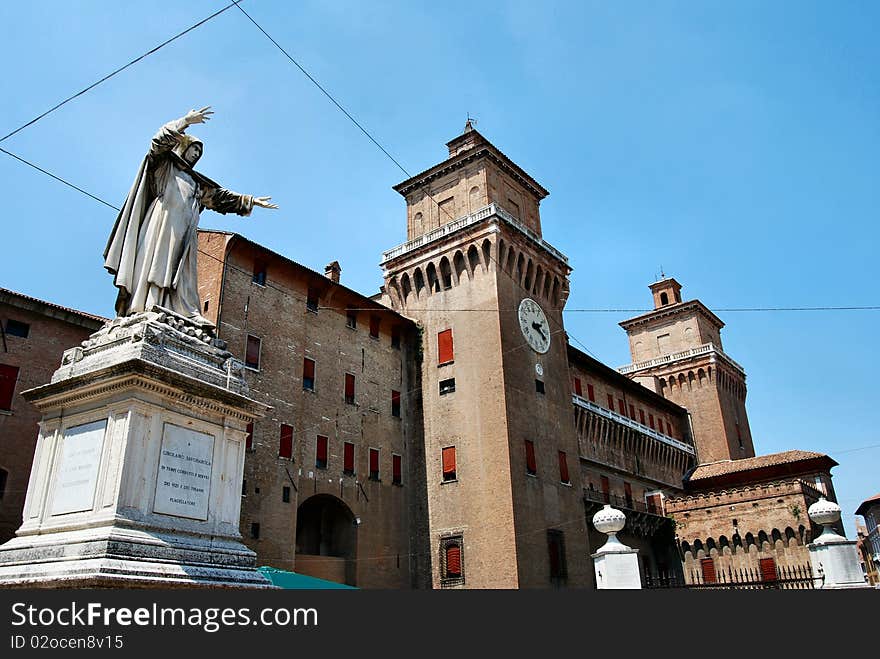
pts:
pixel 33 334
pixel 444 433
pixel 869 548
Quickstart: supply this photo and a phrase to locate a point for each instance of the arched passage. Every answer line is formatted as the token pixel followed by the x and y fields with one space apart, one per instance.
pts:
pixel 326 539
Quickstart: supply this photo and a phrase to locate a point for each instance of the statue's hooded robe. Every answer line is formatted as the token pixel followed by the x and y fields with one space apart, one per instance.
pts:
pixel 152 251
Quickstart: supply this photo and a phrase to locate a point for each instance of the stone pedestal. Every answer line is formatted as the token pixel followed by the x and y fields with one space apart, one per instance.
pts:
pixel 616 565
pixel 832 555
pixel 137 475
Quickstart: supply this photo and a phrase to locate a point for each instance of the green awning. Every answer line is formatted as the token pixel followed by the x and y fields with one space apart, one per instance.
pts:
pixel 292 580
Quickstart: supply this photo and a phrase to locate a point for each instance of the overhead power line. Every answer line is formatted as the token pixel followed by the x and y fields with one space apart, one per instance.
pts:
pixel 119 70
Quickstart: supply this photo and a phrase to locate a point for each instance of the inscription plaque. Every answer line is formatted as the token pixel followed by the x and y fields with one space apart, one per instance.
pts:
pixel 183 482
pixel 77 473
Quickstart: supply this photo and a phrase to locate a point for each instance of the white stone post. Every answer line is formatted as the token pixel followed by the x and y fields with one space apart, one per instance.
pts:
pixel 616 565
pixel 832 555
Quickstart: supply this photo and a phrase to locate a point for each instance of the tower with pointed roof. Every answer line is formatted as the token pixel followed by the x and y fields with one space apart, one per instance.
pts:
pixel 488 292
pixel 676 351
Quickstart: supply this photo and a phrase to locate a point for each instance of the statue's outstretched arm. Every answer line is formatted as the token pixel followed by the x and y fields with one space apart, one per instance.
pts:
pixel 225 201
pixel 169 135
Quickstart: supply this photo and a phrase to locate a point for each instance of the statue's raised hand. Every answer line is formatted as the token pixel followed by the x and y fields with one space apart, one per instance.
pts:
pixel 263 202
pixel 198 116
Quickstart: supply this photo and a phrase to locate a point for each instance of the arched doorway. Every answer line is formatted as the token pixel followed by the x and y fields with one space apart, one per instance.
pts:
pixel 326 539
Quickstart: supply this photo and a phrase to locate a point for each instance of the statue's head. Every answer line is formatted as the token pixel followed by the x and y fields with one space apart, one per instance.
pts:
pixel 189 149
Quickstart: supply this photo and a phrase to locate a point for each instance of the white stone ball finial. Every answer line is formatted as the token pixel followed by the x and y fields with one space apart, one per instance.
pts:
pixel 826 513
pixel 610 521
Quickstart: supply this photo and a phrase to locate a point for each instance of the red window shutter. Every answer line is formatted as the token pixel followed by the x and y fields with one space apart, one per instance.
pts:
pixel 396 471
pixel 453 561
pixel 395 403
pixel 610 402
pixel 531 464
pixel 590 393
pixel 606 489
pixel 349 387
pixel 285 445
pixel 768 569
pixel 621 406
pixel 8 378
pixel 308 369
pixel 707 566
pixel 249 440
pixel 445 350
pixel 628 493
pixel 321 449
pixel 632 412
pixel 449 461
pixel 348 458
pixel 563 467
pixel 642 416
pixel 252 358
pixel 374 326
pixel 374 460
pixel 577 387
pixel 660 425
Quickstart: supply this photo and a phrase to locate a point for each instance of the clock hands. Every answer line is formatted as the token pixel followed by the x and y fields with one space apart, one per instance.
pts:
pixel 537 326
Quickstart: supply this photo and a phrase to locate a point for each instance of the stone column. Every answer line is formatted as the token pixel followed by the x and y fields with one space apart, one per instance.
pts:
pixel 832 555
pixel 616 565
pixel 137 475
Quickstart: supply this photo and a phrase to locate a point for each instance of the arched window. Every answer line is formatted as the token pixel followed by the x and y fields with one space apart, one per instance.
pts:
pixel 445 273
pixel 458 264
pixel 405 287
pixel 474 198
pixel 418 226
pixel 419 281
pixel 487 253
pixel 473 259
pixel 433 282
pixel 527 284
pixel 664 299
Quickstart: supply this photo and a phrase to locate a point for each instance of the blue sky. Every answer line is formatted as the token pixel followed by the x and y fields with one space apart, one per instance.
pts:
pixel 733 144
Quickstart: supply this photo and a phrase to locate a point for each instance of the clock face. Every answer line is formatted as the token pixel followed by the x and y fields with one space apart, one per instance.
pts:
pixel 534 326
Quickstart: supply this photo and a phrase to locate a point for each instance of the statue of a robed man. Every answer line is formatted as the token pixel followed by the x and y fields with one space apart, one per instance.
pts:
pixel 152 251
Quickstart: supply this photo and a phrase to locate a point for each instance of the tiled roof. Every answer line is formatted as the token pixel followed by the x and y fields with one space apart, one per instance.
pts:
pixel 83 314
pixel 868 503
pixel 722 467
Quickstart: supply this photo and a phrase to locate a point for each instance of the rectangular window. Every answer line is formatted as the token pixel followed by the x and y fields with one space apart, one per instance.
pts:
pixel 447 386
pixel 707 567
pixel 396 470
pixel 252 356
pixel 349 388
pixel 621 407
pixel 395 336
pixel 312 300
pixel 285 494
pixel 255 530
pixel 348 458
pixel 610 402
pixel 308 374
pixel 17 328
pixel 591 394
pixel 4 476
pixel 351 318
pixel 654 503
pixel 632 411
pixel 651 420
pixel 244 488
pixel 539 386
pixel 374 464
pixel 374 327
pixel 660 424
pixel 395 403
pixel 8 378
pixel 641 416
pixel 451 561
pixel 321 444
pixel 285 443
pixel 249 439
pixel 606 489
pixel 449 464
pixel 628 494
pixel 577 388
pixel 445 352
pixel 259 273
pixel 556 555
pixel 531 463
pixel 767 567
pixel 563 468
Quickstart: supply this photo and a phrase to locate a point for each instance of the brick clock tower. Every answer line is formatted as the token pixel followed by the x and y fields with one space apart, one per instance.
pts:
pixel 676 351
pixel 503 480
